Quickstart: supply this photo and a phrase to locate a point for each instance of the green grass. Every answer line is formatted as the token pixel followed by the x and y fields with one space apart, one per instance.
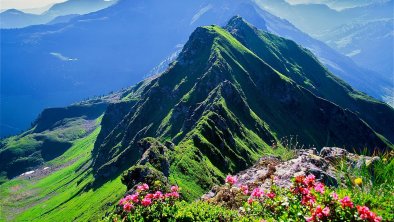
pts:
pixel 63 195
pixel 377 189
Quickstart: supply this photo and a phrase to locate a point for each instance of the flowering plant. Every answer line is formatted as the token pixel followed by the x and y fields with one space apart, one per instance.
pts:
pixel 306 200
pixel 145 204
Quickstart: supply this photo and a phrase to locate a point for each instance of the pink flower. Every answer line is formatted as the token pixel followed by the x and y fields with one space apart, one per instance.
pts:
pixel 146 202
pixel 172 194
pixel 127 198
pixel 134 198
pixel 127 207
pixel 366 214
pixel 346 202
pixel 250 200
pixel 319 187
pixel 158 195
pixel 122 201
pixel 304 191
pixel 271 195
pixel 174 188
pixel 143 187
pixel 334 196
pixel 309 219
pixel 308 200
pixel 231 179
pixel 149 196
pixel 244 189
pixel 326 211
pixel 309 180
pixel 319 213
pixel 257 192
pixel 299 179
pixel 175 194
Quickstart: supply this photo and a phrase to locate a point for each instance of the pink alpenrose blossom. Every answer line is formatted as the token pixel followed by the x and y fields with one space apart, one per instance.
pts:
pixel 257 193
pixel 143 187
pixel 365 214
pixel 319 187
pixel 134 198
pixel 174 188
pixel 271 195
pixel 334 196
pixel 244 189
pixel 231 179
pixel 346 202
pixel 146 202
pixel 127 207
pixel 158 195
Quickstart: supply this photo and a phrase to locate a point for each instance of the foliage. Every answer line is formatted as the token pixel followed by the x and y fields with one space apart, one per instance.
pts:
pixel 306 200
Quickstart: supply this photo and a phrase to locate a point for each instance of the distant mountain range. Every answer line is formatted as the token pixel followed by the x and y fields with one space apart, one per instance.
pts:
pixel 358 32
pixel 362 40
pixel 338 4
pixel 13 18
pixel 315 18
pixel 230 95
pixel 55 65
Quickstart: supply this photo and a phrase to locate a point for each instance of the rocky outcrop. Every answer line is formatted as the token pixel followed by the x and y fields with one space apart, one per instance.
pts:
pixel 322 164
pixel 153 166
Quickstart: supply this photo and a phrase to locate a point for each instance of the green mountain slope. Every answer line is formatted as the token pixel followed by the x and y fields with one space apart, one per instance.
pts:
pixel 302 66
pixel 228 105
pixel 229 96
pixel 62 192
pixel 53 134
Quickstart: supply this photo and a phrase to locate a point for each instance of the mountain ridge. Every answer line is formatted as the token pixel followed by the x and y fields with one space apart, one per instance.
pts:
pixel 115 27
pixel 218 59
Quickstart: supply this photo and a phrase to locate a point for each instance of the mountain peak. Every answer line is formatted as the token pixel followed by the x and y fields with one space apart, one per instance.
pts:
pixel 237 23
pixel 13 11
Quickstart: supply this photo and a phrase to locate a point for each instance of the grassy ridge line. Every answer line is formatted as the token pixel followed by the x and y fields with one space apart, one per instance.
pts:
pixel 60 195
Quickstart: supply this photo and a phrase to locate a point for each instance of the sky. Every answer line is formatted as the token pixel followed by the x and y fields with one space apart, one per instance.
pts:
pixel 26 4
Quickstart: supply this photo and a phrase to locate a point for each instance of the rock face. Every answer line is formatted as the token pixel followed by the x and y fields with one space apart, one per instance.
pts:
pixel 305 162
pixel 153 166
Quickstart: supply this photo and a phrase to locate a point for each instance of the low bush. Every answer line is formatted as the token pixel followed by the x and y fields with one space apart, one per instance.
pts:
pixel 306 200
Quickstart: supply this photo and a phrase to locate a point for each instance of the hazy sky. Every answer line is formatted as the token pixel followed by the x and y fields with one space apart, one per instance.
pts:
pixel 26 4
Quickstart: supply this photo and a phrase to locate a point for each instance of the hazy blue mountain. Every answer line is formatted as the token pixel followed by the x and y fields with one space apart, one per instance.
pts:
pixel 337 4
pixel 13 18
pixel 316 18
pixel 62 19
pixel 361 41
pixel 17 19
pixel 54 65
pixel 358 32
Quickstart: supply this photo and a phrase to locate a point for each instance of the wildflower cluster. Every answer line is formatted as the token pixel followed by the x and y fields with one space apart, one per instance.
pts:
pixel 143 201
pixel 144 198
pixel 307 199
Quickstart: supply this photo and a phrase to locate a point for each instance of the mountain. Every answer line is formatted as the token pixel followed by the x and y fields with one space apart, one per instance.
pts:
pixel 338 4
pixel 357 32
pixel 13 18
pixel 91 54
pixel 231 93
pixel 62 19
pixel 314 18
pixel 361 40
